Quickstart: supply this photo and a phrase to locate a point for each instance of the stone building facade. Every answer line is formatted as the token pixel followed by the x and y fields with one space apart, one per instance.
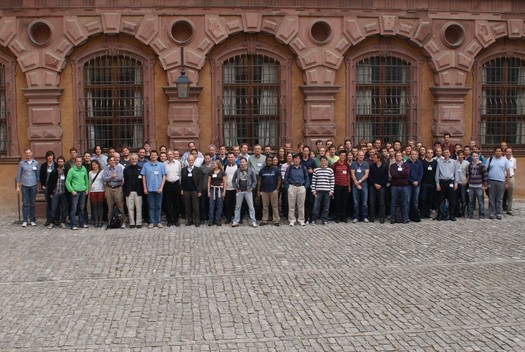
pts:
pixel 85 72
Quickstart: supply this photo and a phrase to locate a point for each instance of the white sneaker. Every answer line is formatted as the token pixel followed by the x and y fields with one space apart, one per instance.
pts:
pixel 74 228
pixel 51 226
pixel 33 223
pixel 291 223
pixel 366 220
pixel 254 224
pixel 85 226
pixel 62 225
pixel 24 224
pixel 354 221
pixel 302 223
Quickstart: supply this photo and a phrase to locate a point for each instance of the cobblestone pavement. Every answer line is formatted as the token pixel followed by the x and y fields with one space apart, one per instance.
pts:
pixel 430 286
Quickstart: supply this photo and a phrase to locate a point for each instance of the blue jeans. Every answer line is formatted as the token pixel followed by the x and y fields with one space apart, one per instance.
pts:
pixel 155 205
pixel 28 203
pixel 78 202
pixel 216 200
pixel 240 196
pixel 399 194
pixel 360 196
pixel 321 204
pixel 473 194
pixel 413 196
pixel 56 200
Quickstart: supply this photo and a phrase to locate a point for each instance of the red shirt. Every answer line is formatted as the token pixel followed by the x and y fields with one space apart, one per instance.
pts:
pixel 341 173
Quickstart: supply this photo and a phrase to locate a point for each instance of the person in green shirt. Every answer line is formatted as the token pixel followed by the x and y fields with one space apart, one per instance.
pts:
pixel 77 183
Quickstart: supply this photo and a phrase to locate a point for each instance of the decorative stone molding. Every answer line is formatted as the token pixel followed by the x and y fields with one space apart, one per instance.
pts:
pixel 183 117
pixel 44 131
pixel 7 30
pixel 319 112
pixel 252 22
pixel 148 29
pixel 449 112
pixel 111 23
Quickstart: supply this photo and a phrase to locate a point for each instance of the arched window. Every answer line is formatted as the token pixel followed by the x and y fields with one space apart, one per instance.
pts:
pixel 113 102
pixel 114 90
pixel 383 100
pixel 502 108
pixel 251 100
pixel 252 82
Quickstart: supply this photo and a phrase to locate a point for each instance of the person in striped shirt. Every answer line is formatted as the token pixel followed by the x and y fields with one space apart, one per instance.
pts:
pixel 322 190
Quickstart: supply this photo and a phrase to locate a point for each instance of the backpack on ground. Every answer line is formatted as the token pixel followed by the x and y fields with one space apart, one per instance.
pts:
pixel 414 215
pixel 117 219
pixel 443 210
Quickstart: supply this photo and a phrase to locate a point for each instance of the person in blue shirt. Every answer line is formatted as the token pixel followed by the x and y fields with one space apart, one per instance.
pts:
pixel 498 169
pixel 27 182
pixel 153 177
pixel 360 171
pixel 308 162
pixel 414 180
pixel 297 181
pixel 268 185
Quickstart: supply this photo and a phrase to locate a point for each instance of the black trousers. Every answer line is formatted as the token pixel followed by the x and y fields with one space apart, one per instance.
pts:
pixel 228 207
pixel 447 192
pixel 171 201
pixel 191 203
pixel 341 202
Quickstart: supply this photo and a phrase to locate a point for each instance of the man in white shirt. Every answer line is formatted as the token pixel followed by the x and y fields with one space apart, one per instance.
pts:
pixel 507 199
pixel 230 198
pixel 172 198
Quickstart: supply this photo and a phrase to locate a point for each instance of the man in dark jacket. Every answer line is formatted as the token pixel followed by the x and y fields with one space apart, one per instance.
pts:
pixel 133 191
pixel 190 182
pixel 414 179
pixel 56 188
pixel 399 172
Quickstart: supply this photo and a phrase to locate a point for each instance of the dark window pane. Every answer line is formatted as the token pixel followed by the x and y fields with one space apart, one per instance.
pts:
pixel 252 109
pixel 503 102
pixel 114 103
pixel 383 98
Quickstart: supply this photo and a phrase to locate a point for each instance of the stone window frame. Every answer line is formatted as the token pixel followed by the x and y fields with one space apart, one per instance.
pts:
pixel 499 51
pixel 384 49
pixel 250 45
pixel 12 148
pixel 114 47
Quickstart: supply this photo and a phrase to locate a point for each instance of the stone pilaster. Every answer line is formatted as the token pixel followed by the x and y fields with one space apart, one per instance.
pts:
pixel 449 112
pixel 319 112
pixel 44 131
pixel 183 117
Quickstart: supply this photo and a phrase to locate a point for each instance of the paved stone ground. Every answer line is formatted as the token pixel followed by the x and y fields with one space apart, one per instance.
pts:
pixel 431 286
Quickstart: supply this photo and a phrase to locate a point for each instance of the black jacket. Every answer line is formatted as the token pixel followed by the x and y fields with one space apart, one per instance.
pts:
pixel 196 175
pixel 132 181
pixel 52 182
pixel 43 173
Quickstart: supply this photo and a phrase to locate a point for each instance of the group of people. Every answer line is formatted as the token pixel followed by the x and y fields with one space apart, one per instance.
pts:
pixel 372 181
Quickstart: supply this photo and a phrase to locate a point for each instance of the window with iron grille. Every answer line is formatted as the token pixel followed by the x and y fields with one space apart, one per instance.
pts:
pixel 383 99
pixel 113 102
pixel 503 102
pixel 4 131
pixel 252 109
